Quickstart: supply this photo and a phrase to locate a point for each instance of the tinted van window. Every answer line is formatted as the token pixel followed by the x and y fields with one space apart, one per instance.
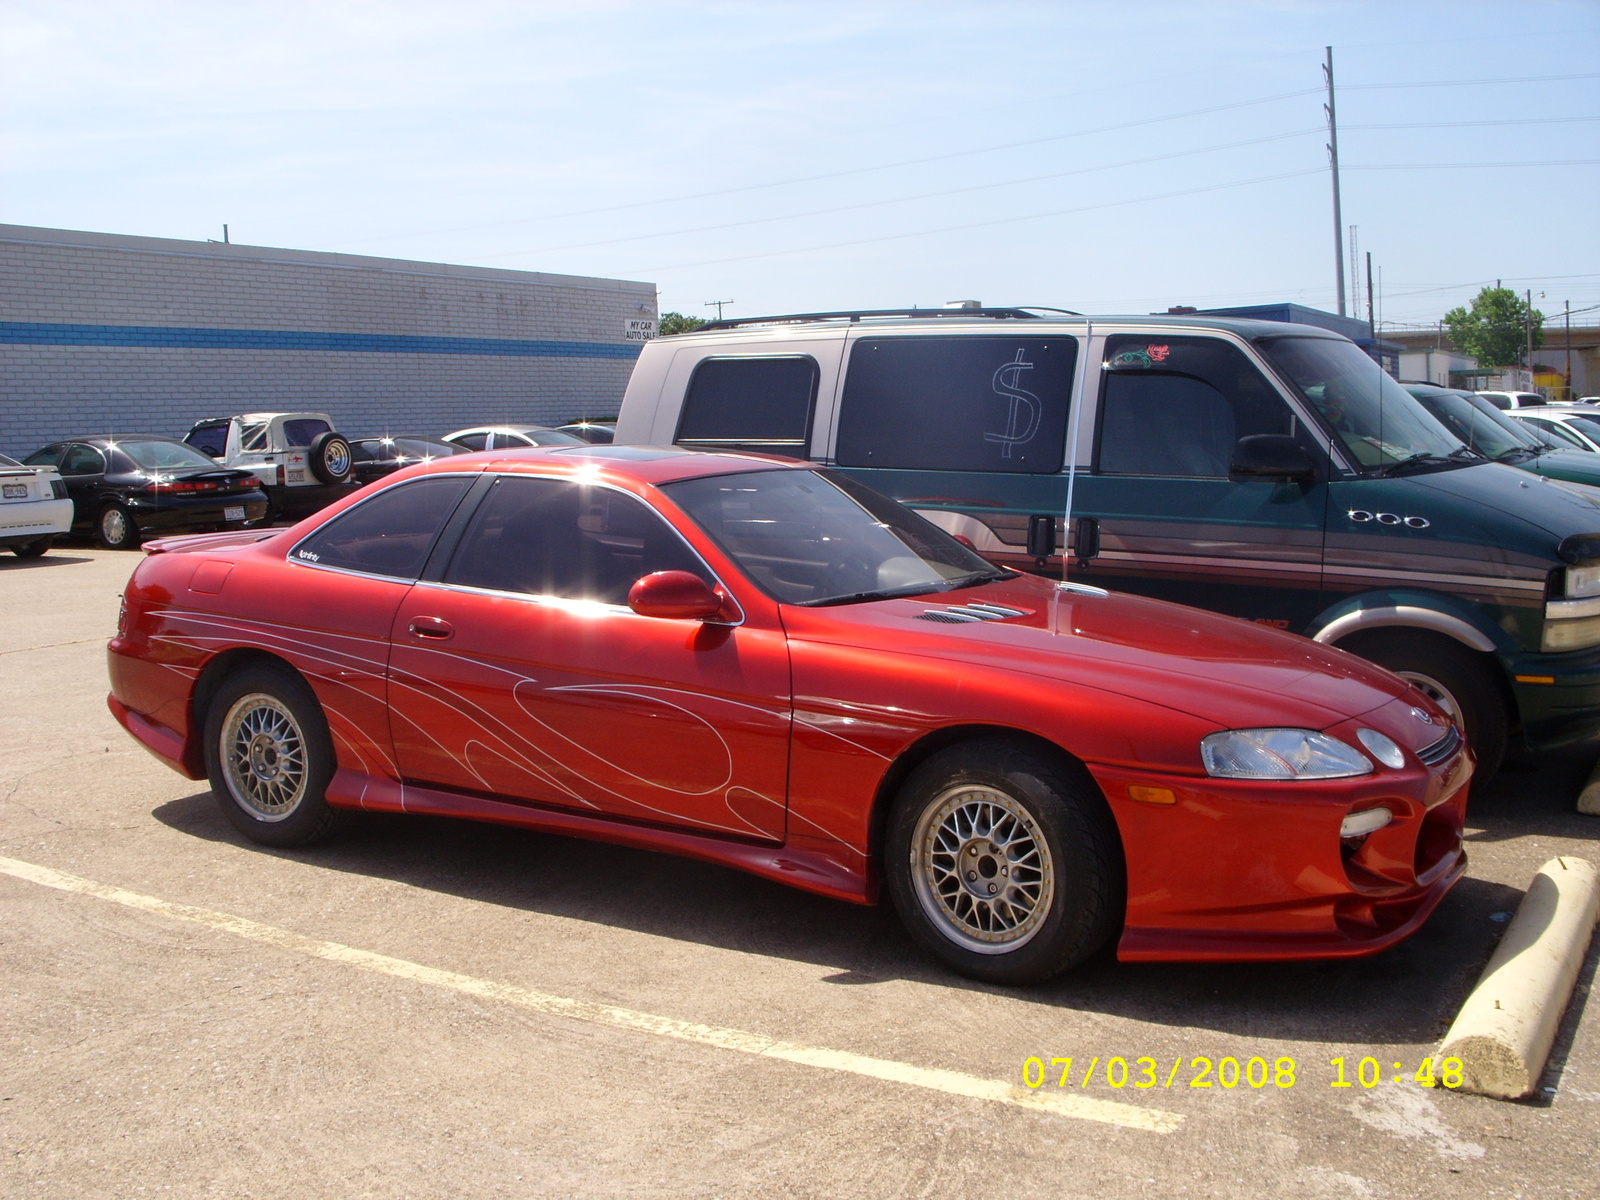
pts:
pixel 389 534
pixel 548 537
pixel 750 404
pixel 957 403
pixel 1176 406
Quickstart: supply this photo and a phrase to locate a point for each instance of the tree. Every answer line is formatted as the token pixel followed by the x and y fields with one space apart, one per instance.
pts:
pixel 676 322
pixel 1495 331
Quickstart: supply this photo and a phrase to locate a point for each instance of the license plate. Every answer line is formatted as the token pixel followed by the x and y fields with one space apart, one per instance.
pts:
pixel 16 491
pixel 234 512
pixel 296 477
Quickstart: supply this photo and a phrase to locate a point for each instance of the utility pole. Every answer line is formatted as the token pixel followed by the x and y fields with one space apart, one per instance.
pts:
pixel 1372 324
pixel 1333 163
pixel 1567 304
pixel 717 304
pixel 1527 330
pixel 225 241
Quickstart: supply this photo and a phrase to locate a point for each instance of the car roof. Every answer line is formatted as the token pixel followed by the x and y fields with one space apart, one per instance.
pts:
pixel 501 429
pixel 1248 328
pixel 119 438
pixel 645 464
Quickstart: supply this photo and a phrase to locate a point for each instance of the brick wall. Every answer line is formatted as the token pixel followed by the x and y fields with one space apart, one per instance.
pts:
pixel 100 332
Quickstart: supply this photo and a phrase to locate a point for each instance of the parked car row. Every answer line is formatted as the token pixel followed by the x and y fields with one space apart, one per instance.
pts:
pixel 124 488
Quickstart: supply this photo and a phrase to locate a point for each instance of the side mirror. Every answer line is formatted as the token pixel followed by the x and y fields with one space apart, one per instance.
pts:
pixel 676 594
pixel 1272 456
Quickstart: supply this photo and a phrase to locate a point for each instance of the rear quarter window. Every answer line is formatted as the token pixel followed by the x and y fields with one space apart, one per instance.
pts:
pixel 957 403
pixel 302 431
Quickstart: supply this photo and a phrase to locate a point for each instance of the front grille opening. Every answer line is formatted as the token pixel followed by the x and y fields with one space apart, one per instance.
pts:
pixel 1439 837
pixel 1437 751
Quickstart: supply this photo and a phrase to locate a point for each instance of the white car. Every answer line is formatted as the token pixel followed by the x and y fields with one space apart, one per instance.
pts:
pixel 1515 399
pixel 511 437
pixel 34 508
pixel 1577 424
pixel 303 464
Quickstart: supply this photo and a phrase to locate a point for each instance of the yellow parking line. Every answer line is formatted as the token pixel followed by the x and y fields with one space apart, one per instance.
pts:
pixel 953 1083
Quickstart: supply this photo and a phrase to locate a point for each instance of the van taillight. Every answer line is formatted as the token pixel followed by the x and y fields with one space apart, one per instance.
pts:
pixel 283 475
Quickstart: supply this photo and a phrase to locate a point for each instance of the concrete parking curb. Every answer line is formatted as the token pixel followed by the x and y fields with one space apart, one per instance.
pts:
pixel 1503 1033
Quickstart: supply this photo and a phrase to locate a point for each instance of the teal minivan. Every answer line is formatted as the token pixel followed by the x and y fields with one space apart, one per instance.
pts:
pixel 1270 471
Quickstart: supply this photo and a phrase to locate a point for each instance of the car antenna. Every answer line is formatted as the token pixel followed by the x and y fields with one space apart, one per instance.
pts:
pixel 1074 424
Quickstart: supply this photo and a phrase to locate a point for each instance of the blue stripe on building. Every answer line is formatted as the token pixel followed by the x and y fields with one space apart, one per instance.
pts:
pixel 30 333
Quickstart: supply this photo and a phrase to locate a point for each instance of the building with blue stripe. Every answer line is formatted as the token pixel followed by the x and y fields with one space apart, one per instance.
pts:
pixel 129 334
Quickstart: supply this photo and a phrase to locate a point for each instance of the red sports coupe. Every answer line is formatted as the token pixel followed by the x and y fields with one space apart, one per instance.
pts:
pixel 763 664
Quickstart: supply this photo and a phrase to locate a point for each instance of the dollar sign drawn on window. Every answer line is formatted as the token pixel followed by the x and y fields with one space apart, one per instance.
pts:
pixel 1022 422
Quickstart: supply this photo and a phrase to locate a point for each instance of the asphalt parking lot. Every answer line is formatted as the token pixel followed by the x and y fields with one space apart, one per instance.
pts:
pixel 148 1050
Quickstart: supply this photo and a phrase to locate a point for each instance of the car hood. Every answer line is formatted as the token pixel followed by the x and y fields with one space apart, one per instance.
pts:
pixel 1220 669
pixel 1507 498
pixel 1575 466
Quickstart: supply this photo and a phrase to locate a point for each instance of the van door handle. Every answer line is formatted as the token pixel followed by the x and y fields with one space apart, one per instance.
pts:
pixel 436 628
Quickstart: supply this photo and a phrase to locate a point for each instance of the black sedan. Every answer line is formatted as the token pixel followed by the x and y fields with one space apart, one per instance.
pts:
pixel 130 486
pixel 375 457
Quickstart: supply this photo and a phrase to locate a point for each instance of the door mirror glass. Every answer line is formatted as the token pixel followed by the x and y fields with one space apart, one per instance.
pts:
pixel 1272 456
pixel 675 594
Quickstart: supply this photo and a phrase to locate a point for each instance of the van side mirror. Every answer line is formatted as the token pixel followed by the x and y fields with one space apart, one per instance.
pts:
pixel 1272 456
pixel 678 595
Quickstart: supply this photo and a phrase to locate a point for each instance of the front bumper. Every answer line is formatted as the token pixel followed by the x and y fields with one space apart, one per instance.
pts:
pixel 1565 710
pixel 1240 870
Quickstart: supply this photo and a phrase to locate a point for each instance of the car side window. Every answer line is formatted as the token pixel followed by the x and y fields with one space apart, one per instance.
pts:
pixel 391 533
pixel 750 403
pixel 548 537
pixel 512 441
pixel 50 456
pixel 957 403
pixel 1175 406
pixel 473 441
pixel 302 431
pixel 82 460
pixel 210 439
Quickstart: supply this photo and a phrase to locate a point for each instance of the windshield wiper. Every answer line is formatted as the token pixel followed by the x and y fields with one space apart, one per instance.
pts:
pixel 1517 454
pixel 912 589
pixel 1425 459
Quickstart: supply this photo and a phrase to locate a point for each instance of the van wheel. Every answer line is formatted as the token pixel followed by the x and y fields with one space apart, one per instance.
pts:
pixel 1459 680
pixel 270 759
pixel 116 529
pixel 35 548
pixel 1002 864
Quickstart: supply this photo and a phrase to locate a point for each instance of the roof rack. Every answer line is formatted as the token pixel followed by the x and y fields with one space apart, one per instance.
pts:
pixel 1028 313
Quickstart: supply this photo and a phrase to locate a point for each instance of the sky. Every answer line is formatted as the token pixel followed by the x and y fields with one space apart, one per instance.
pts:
pixel 794 157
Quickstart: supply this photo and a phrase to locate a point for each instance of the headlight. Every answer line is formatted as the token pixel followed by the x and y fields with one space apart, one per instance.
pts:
pixel 1280 754
pixel 1573 633
pixel 1583 581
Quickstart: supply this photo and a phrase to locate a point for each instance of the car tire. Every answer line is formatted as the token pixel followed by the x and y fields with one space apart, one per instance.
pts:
pixel 1045 886
pixel 115 528
pixel 269 758
pixel 35 548
pixel 1460 680
pixel 331 458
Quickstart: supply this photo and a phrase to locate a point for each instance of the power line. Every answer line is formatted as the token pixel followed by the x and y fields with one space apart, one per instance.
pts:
pixel 1374 87
pixel 1476 124
pixel 1556 162
pixel 891 237
pixel 909 162
pixel 979 187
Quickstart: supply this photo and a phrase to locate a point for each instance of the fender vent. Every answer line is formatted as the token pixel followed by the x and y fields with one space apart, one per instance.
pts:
pixel 1436 752
pixel 966 614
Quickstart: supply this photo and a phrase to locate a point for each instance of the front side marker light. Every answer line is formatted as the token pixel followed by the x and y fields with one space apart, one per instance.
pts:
pixel 1368 820
pixel 1151 795
pixel 1381 748
pixel 1280 754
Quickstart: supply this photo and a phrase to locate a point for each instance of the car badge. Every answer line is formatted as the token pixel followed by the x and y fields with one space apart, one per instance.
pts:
pixel 1422 716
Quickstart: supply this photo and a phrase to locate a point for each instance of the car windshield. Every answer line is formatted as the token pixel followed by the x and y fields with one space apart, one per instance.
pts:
pixel 1381 424
pixel 550 437
pixel 165 456
pixel 1588 426
pixel 1494 438
pixel 818 537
